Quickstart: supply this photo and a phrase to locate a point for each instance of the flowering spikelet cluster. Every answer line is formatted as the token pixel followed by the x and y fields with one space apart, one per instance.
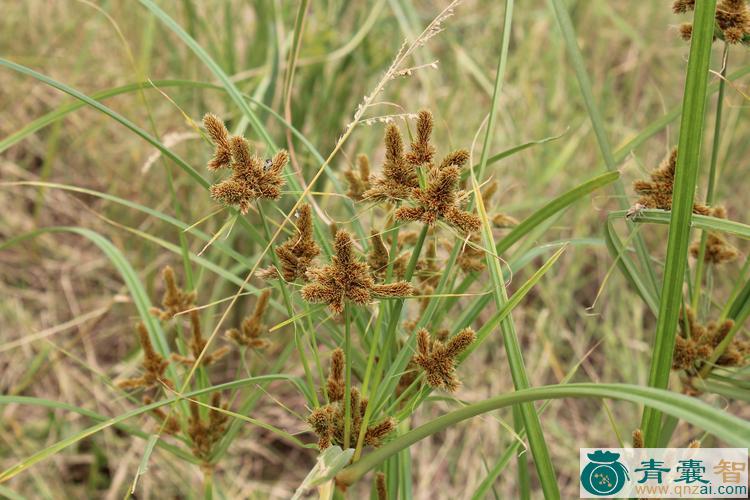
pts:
pixel 296 254
pixel 251 178
pixel 205 434
pixel 657 192
pixel 175 299
pixel 378 258
pixel 328 421
pixel 252 327
pixel 698 346
pixel 198 343
pixel 718 250
pixel 502 221
pixel 732 19
pixel 154 365
pixel 359 180
pixel 439 199
pixel 347 278
pixel 438 359
pixel 399 176
pixel 638 439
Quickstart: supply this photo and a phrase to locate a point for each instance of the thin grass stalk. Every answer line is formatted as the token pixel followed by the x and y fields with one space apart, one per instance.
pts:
pixel 700 265
pixel 347 378
pixel 688 160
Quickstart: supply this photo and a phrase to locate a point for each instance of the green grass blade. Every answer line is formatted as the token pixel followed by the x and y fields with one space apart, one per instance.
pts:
pixel 688 162
pixel 734 430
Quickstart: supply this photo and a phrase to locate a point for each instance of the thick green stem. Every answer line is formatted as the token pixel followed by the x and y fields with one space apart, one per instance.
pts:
pixel 688 160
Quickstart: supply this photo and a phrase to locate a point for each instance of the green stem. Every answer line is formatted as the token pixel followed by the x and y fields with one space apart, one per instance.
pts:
pixel 688 160
pixel 711 190
pixel 347 378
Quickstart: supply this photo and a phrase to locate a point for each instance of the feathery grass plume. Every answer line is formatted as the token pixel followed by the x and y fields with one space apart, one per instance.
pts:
pixel 252 327
pixel 380 486
pixel 422 150
pixel 732 20
pixel 472 258
pixel 197 344
pixel 718 250
pixel 638 439
pixel 347 278
pixel 657 193
pixel 359 181
pixel 399 176
pixel 154 365
pixel 205 434
pixel 220 136
pixel 335 385
pixel 438 359
pixel 170 423
pixel 175 299
pixel 440 198
pixel 378 257
pixel 251 178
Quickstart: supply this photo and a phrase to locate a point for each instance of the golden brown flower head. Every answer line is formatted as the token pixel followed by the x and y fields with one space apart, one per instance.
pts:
pixel 335 384
pixel 657 193
pixel 440 198
pixel 638 439
pixel 421 150
pixel 252 327
pixel 220 136
pixel 154 365
pixel 175 299
pixel 733 19
pixel 399 177
pixel 438 359
pixel 198 344
pixel 683 6
pixel 346 278
pixel 359 181
pixel 251 178
pixel 472 257
pixel 378 257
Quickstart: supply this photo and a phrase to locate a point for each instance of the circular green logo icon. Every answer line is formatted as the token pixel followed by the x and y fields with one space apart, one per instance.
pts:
pixel 604 474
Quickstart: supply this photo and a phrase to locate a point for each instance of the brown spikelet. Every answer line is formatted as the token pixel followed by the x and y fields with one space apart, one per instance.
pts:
pixel 657 193
pixel 438 359
pixel 378 257
pixel 198 344
pixel 154 365
pixel 220 136
pixel 175 299
pixel 638 439
pixel 398 177
pixel 472 258
pixel 718 250
pixel 252 327
pixel 504 221
pixel 694 444
pixel 380 486
pixel 296 254
pixel 347 278
pixel 359 181
pixel 335 384
pixel 686 31
pixel 733 19
pixel 421 150
pixel 682 6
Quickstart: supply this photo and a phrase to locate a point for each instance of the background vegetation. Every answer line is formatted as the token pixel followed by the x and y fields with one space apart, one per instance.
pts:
pixel 66 315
